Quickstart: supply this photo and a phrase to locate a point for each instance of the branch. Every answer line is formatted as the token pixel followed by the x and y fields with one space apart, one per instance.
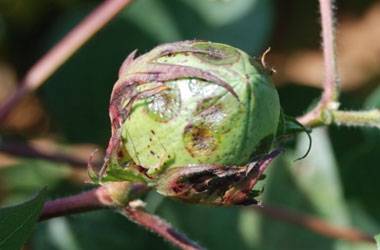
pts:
pixel 161 227
pixel 331 84
pixel 315 225
pixel 29 151
pixel 100 198
pixel 94 199
pixel 62 51
pixel 103 197
pixel 369 118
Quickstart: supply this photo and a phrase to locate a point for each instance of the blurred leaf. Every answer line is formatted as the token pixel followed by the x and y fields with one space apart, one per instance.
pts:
pixel 156 21
pixel 249 227
pixel 61 235
pixel 359 160
pixel 214 227
pixel 317 176
pixel 373 101
pixel 17 222
pixel 281 190
pixel 377 238
pixel 220 13
pixel 248 26
pixel 23 179
pixel 361 219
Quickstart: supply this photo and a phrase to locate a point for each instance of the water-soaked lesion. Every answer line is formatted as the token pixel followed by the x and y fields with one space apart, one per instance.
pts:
pixel 165 105
pixel 199 139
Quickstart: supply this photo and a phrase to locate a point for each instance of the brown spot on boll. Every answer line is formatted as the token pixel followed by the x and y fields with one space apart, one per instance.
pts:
pixel 199 140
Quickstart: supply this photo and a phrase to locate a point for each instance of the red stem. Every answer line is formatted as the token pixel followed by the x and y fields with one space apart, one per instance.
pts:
pixel 161 227
pixel 315 225
pixel 29 151
pixel 87 201
pixel 99 198
pixel 328 44
pixel 62 51
pixel 331 83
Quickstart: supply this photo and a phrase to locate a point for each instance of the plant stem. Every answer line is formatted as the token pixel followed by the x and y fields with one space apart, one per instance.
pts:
pixel 368 118
pixel 62 51
pixel 29 151
pixel 99 198
pixel 331 84
pixel 314 224
pixel 87 201
pixel 161 227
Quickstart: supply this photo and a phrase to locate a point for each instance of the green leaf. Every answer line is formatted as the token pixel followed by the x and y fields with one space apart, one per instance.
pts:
pixel 17 222
pixel 117 173
pixel 59 235
pixel 156 21
pixel 219 13
pixel 23 179
pixel 281 190
pixel 245 24
pixel 317 176
pixel 377 238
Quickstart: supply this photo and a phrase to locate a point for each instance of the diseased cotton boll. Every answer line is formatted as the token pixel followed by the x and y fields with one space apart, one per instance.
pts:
pixel 191 107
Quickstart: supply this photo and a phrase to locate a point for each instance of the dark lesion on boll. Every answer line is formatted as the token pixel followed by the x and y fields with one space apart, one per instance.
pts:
pixel 215 185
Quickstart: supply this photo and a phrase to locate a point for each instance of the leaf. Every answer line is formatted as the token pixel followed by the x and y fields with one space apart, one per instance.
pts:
pixel 377 239
pixel 219 13
pixel 245 24
pixel 26 177
pixel 372 102
pixel 156 21
pixel 281 190
pixel 317 176
pixel 117 173
pixel 17 222
pixel 60 234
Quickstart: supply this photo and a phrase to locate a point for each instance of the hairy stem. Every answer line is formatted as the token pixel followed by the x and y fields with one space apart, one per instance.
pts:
pixel 331 84
pixel 367 118
pixel 62 51
pixel 156 224
pixel 314 224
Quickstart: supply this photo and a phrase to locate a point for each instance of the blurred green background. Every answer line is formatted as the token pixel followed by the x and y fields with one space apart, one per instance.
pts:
pixel 338 181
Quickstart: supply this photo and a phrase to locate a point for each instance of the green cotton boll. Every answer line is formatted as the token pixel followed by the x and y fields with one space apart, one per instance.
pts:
pixel 192 102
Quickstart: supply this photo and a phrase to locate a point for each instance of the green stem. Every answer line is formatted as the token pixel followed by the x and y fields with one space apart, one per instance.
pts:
pixel 368 118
